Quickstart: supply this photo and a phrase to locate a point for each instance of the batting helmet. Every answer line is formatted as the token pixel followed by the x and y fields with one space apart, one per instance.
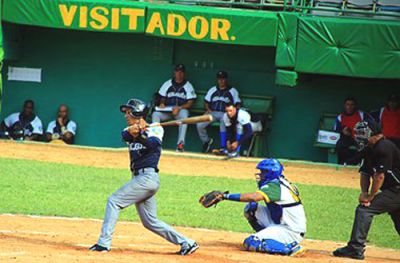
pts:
pixel 138 108
pixel 270 169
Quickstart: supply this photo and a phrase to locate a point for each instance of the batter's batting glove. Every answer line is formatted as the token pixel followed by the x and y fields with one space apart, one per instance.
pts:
pixel 212 198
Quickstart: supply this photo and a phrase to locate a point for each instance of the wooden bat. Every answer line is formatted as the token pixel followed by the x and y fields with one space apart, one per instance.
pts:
pixel 190 120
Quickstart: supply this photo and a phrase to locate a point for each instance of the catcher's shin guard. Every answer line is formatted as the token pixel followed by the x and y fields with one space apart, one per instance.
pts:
pixel 252 243
pixel 250 214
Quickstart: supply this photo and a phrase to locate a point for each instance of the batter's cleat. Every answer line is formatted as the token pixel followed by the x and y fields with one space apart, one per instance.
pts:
pixel 349 252
pixel 180 147
pixel 98 248
pixel 207 146
pixel 187 249
pixel 297 251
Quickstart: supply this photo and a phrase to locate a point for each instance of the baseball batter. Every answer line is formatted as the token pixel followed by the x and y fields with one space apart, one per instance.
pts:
pixel 145 150
pixel 280 225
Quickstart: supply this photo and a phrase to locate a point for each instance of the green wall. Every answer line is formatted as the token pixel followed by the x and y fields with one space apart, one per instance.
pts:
pixel 94 72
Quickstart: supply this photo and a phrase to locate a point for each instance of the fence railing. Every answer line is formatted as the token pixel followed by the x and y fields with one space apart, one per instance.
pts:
pixel 379 9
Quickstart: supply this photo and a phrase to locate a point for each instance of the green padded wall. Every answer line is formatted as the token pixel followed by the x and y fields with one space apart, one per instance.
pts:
pixel 287 39
pixel 95 72
pixel 348 47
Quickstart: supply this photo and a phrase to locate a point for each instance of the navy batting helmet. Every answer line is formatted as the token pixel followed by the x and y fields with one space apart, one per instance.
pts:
pixel 138 108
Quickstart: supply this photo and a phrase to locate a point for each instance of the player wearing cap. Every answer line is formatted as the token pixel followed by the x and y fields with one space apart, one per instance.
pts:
pixel 145 150
pixel 177 97
pixel 380 187
pixel 215 102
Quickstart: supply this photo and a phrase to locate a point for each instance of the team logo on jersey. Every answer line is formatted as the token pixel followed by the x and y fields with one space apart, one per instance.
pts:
pixel 136 147
pixel 176 95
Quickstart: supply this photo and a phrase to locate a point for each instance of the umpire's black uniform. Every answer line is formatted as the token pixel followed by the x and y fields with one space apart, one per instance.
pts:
pixel 382 157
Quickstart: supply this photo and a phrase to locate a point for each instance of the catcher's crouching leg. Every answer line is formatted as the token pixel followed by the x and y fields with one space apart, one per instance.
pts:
pixel 250 214
pixel 270 246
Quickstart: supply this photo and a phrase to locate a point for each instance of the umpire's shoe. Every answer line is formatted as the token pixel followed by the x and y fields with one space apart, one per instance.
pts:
pixel 349 252
pixel 98 248
pixel 187 249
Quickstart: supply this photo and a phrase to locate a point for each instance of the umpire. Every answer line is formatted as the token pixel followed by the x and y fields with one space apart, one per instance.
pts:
pixel 381 163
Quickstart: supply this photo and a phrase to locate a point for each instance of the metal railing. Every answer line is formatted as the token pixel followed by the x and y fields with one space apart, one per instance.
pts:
pixel 311 7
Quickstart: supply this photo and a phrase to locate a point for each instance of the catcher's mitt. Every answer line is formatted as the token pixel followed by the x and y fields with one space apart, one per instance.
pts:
pixel 212 198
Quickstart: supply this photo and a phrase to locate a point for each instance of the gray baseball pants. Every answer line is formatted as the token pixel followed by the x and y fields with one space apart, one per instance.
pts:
pixel 140 190
pixel 202 126
pixel 159 116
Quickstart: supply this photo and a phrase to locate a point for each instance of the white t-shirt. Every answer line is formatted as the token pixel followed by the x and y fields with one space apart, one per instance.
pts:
pixel 71 127
pixel 243 118
pixel 34 127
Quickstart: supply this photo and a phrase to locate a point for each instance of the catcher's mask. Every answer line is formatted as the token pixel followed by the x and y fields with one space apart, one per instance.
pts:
pixel 270 169
pixel 138 108
pixel 362 132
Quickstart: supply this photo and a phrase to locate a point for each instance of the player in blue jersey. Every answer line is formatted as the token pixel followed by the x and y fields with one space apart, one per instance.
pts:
pixel 145 149
pixel 215 102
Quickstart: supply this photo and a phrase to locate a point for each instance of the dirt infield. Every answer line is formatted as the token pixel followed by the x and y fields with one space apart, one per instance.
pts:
pixel 49 239
pixel 173 163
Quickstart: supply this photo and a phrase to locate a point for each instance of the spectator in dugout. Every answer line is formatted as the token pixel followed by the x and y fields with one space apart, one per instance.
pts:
pixel 345 123
pixel 23 125
pixel 61 130
pixel 177 97
pixel 215 102
pixel 240 126
pixel 389 119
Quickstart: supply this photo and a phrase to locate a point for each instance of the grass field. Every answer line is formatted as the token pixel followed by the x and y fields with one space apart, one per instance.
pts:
pixel 41 188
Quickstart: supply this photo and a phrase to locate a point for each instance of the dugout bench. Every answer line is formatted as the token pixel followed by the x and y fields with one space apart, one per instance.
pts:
pixel 326 123
pixel 262 106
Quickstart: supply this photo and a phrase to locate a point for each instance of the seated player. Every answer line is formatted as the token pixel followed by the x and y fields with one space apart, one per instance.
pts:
pixel 345 123
pixel 215 102
pixel 280 225
pixel 23 125
pixel 389 119
pixel 177 97
pixel 240 126
pixel 62 130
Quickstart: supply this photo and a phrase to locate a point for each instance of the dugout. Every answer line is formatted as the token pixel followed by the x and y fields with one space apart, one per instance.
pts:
pixel 94 54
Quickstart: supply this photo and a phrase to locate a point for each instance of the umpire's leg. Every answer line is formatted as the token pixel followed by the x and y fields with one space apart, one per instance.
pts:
pixel 396 220
pixel 386 201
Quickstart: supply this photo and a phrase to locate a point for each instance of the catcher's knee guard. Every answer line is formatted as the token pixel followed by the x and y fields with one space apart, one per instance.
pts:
pixel 250 214
pixel 252 243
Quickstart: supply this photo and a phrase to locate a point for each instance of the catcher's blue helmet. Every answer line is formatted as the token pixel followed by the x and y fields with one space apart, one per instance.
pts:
pixel 270 169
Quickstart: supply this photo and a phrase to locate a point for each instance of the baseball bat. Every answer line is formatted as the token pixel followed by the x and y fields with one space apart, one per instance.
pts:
pixel 190 120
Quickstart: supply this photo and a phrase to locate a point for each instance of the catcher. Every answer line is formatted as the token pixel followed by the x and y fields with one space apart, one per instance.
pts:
pixel 280 225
